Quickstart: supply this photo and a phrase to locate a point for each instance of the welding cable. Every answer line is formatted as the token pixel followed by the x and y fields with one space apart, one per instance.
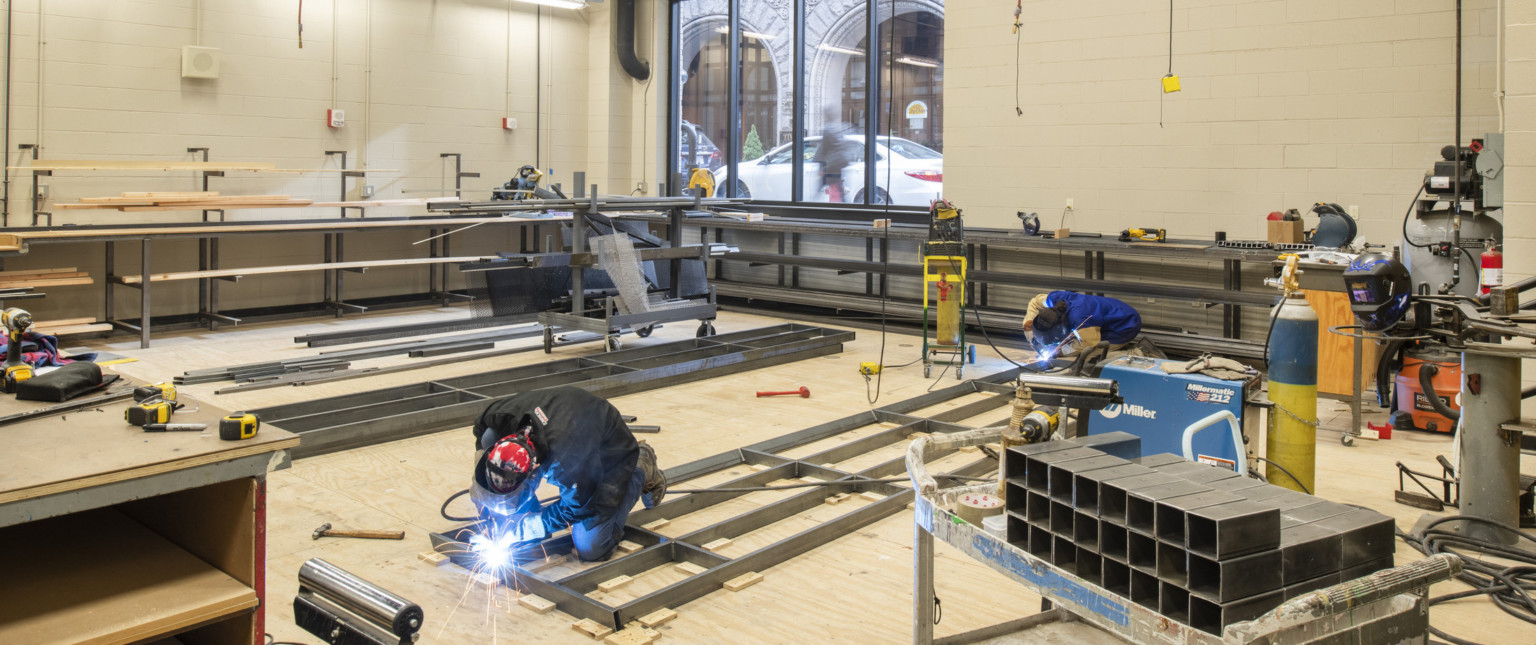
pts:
pixel 446 502
pixel 1408 214
pixel 840 482
pixel 1509 586
pixel 1287 473
pixel 977 311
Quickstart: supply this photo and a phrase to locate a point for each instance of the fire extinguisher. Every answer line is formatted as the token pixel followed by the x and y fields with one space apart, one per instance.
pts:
pixel 1493 268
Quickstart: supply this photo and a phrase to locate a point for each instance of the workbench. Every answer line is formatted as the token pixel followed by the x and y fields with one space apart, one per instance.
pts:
pixel 109 534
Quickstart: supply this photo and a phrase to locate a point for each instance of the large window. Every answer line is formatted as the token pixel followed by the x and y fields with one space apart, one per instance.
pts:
pixel 775 98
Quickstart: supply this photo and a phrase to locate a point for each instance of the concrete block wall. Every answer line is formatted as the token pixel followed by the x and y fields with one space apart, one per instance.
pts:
pixel 100 79
pixel 1284 103
pixel 1520 156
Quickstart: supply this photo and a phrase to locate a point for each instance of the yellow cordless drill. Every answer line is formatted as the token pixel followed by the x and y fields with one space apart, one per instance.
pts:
pixel 1144 235
pixel 15 321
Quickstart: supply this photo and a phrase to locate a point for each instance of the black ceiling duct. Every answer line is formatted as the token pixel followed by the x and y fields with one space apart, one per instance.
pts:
pixel 624 41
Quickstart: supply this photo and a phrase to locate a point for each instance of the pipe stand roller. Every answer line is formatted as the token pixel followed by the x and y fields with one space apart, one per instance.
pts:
pixel 1292 441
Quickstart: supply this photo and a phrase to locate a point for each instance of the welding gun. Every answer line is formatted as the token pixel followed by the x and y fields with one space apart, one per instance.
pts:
pixel 1144 235
pixel 15 321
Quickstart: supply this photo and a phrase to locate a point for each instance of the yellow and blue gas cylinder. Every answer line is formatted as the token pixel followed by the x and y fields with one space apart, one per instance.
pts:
pixel 1292 439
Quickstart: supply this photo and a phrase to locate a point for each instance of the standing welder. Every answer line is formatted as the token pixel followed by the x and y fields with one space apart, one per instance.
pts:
pixel 580 444
pixel 1075 321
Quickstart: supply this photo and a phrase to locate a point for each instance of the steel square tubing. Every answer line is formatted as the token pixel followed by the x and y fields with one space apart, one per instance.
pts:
pixel 1114 493
pixel 680 506
pixel 1363 570
pixel 1144 589
pixel 1112 541
pixel 1062 517
pixel 1085 485
pixel 1173 602
pixel 1018 530
pixel 973 408
pixel 1064 553
pixel 1170 513
pixel 1160 459
pixel 1228 580
pixel 1195 472
pixel 1014 457
pixel 1367 536
pixel 783 509
pixel 1230 530
pixel 357 401
pixel 1036 465
pixel 1115 577
pixel 1308 551
pixel 1242 485
pixel 639 562
pixel 1037 509
pixel 1172 564
pixel 1040 540
pixel 1213 618
pixel 1085 530
pixel 1090 566
pixel 862 445
pixel 1016 497
pixel 1141 552
pixel 1120 444
pixel 1306 586
pixel 1314 512
pixel 686 590
pixel 1140 505
pixel 1061 475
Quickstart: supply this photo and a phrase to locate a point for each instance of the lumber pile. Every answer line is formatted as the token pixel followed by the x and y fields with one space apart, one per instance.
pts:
pixel 37 278
pixel 191 200
pixel 70 326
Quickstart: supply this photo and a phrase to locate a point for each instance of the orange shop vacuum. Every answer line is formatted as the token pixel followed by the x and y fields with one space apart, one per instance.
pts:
pixel 1427 373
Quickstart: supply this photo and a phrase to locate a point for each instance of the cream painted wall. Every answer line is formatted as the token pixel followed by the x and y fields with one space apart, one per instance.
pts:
pixel 416 78
pixel 1284 103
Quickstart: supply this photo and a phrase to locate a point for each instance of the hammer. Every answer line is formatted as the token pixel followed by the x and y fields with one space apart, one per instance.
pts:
pixel 325 531
pixel 804 393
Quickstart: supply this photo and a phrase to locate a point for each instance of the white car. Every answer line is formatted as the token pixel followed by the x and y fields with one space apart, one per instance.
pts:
pixel 905 173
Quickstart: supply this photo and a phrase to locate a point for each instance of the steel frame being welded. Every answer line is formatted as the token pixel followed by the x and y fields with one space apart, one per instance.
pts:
pixel 569 593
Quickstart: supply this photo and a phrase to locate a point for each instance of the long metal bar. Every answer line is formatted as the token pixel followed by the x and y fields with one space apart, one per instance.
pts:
pixel 144 288
pixel 733 92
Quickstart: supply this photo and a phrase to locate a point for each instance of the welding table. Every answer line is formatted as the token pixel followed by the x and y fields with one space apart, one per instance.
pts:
pixel 1393 601
pixel 111 534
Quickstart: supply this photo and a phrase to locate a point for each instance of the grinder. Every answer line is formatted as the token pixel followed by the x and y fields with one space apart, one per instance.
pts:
pixel 15 321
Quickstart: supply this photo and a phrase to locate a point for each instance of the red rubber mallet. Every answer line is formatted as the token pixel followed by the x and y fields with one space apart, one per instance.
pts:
pixel 804 393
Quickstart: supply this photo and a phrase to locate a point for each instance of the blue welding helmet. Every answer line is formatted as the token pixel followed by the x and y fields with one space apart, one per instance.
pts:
pixel 1378 288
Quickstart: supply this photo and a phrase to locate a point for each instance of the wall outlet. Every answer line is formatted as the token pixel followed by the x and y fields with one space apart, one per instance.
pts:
pixel 367 190
pixel 1069 203
pixel 335 118
pixel 42 192
pixel 640 187
pixel 508 123
pixel 1353 210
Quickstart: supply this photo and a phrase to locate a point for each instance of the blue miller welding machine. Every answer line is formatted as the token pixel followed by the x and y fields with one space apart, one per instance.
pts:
pixel 1159 406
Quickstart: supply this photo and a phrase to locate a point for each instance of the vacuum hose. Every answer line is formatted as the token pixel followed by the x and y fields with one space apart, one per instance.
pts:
pixel 1427 372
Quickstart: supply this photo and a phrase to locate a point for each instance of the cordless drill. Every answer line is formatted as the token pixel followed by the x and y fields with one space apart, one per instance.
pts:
pixel 1144 235
pixel 15 321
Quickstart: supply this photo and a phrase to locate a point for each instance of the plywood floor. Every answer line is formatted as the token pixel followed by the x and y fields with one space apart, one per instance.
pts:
pixel 856 589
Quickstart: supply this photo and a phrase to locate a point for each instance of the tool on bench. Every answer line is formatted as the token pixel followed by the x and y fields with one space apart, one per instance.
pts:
pixel 239 425
pixel 165 391
pixel 152 410
pixel 804 393
pixel 1031 222
pixel 175 427
pixel 15 321
pixel 325 530
pixel 1144 235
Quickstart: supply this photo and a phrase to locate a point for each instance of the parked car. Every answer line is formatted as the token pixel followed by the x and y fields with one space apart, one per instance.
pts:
pixel 906 173
pixel 703 155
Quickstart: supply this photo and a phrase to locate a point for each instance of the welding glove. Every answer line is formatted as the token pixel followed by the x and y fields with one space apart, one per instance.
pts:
pixel 527 527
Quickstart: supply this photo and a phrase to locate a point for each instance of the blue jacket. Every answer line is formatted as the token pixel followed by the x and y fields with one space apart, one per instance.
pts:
pixel 584 449
pixel 1117 322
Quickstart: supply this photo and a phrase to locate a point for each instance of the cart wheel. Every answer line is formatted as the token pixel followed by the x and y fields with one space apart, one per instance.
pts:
pixel 549 340
pixel 613 343
pixel 959 369
pixel 1347 439
pixel 706 328
pixel 644 332
pixel 927 370
pixel 973 354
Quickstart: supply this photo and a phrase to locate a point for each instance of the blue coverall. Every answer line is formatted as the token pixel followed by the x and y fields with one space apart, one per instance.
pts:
pixel 585 450
pixel 1115 321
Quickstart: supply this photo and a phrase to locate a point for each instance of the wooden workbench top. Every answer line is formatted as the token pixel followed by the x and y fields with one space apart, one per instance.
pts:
pixel 94 447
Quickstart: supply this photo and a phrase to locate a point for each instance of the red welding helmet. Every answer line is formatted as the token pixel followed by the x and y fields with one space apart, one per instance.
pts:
pixel 508 463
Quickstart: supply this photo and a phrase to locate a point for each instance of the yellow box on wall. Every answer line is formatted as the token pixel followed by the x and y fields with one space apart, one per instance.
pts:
pixel 1170 84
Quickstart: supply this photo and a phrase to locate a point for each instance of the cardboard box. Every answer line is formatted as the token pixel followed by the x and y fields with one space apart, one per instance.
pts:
pixel 1286 232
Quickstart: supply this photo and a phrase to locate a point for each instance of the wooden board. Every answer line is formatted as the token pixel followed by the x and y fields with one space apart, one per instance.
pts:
pixel 69 330
pixel 52 282
pixel 299 268
pixel 14 240
pixel 26 272
pixel 103 449
pixel 1335 353
pixel 101 577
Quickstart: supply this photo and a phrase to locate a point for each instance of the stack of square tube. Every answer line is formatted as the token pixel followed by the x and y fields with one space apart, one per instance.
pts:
pixel 1194 542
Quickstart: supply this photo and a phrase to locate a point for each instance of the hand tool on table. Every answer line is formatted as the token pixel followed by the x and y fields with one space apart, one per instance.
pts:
pixel 15 321
pixel 1031 222
pixel 166 391
pixel 151 410
pixel 175 427
pixel 804 393
pixel 1144 235
pixel 239 425
pixel 325 530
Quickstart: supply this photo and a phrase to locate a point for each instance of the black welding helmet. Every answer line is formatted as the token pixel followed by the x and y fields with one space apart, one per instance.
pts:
pixel 1378 288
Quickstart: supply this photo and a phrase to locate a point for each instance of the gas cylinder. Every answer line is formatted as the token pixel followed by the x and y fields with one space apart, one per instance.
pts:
pixel 1493 268
pixel 1292 441
pixel 949 312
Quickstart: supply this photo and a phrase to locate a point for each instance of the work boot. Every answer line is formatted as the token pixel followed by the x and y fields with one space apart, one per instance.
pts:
pixel 655 481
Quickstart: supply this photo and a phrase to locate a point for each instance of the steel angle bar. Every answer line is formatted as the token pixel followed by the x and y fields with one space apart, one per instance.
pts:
pixel 693 502
pixel 851 449
pixel 775 512
pixel 405 331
